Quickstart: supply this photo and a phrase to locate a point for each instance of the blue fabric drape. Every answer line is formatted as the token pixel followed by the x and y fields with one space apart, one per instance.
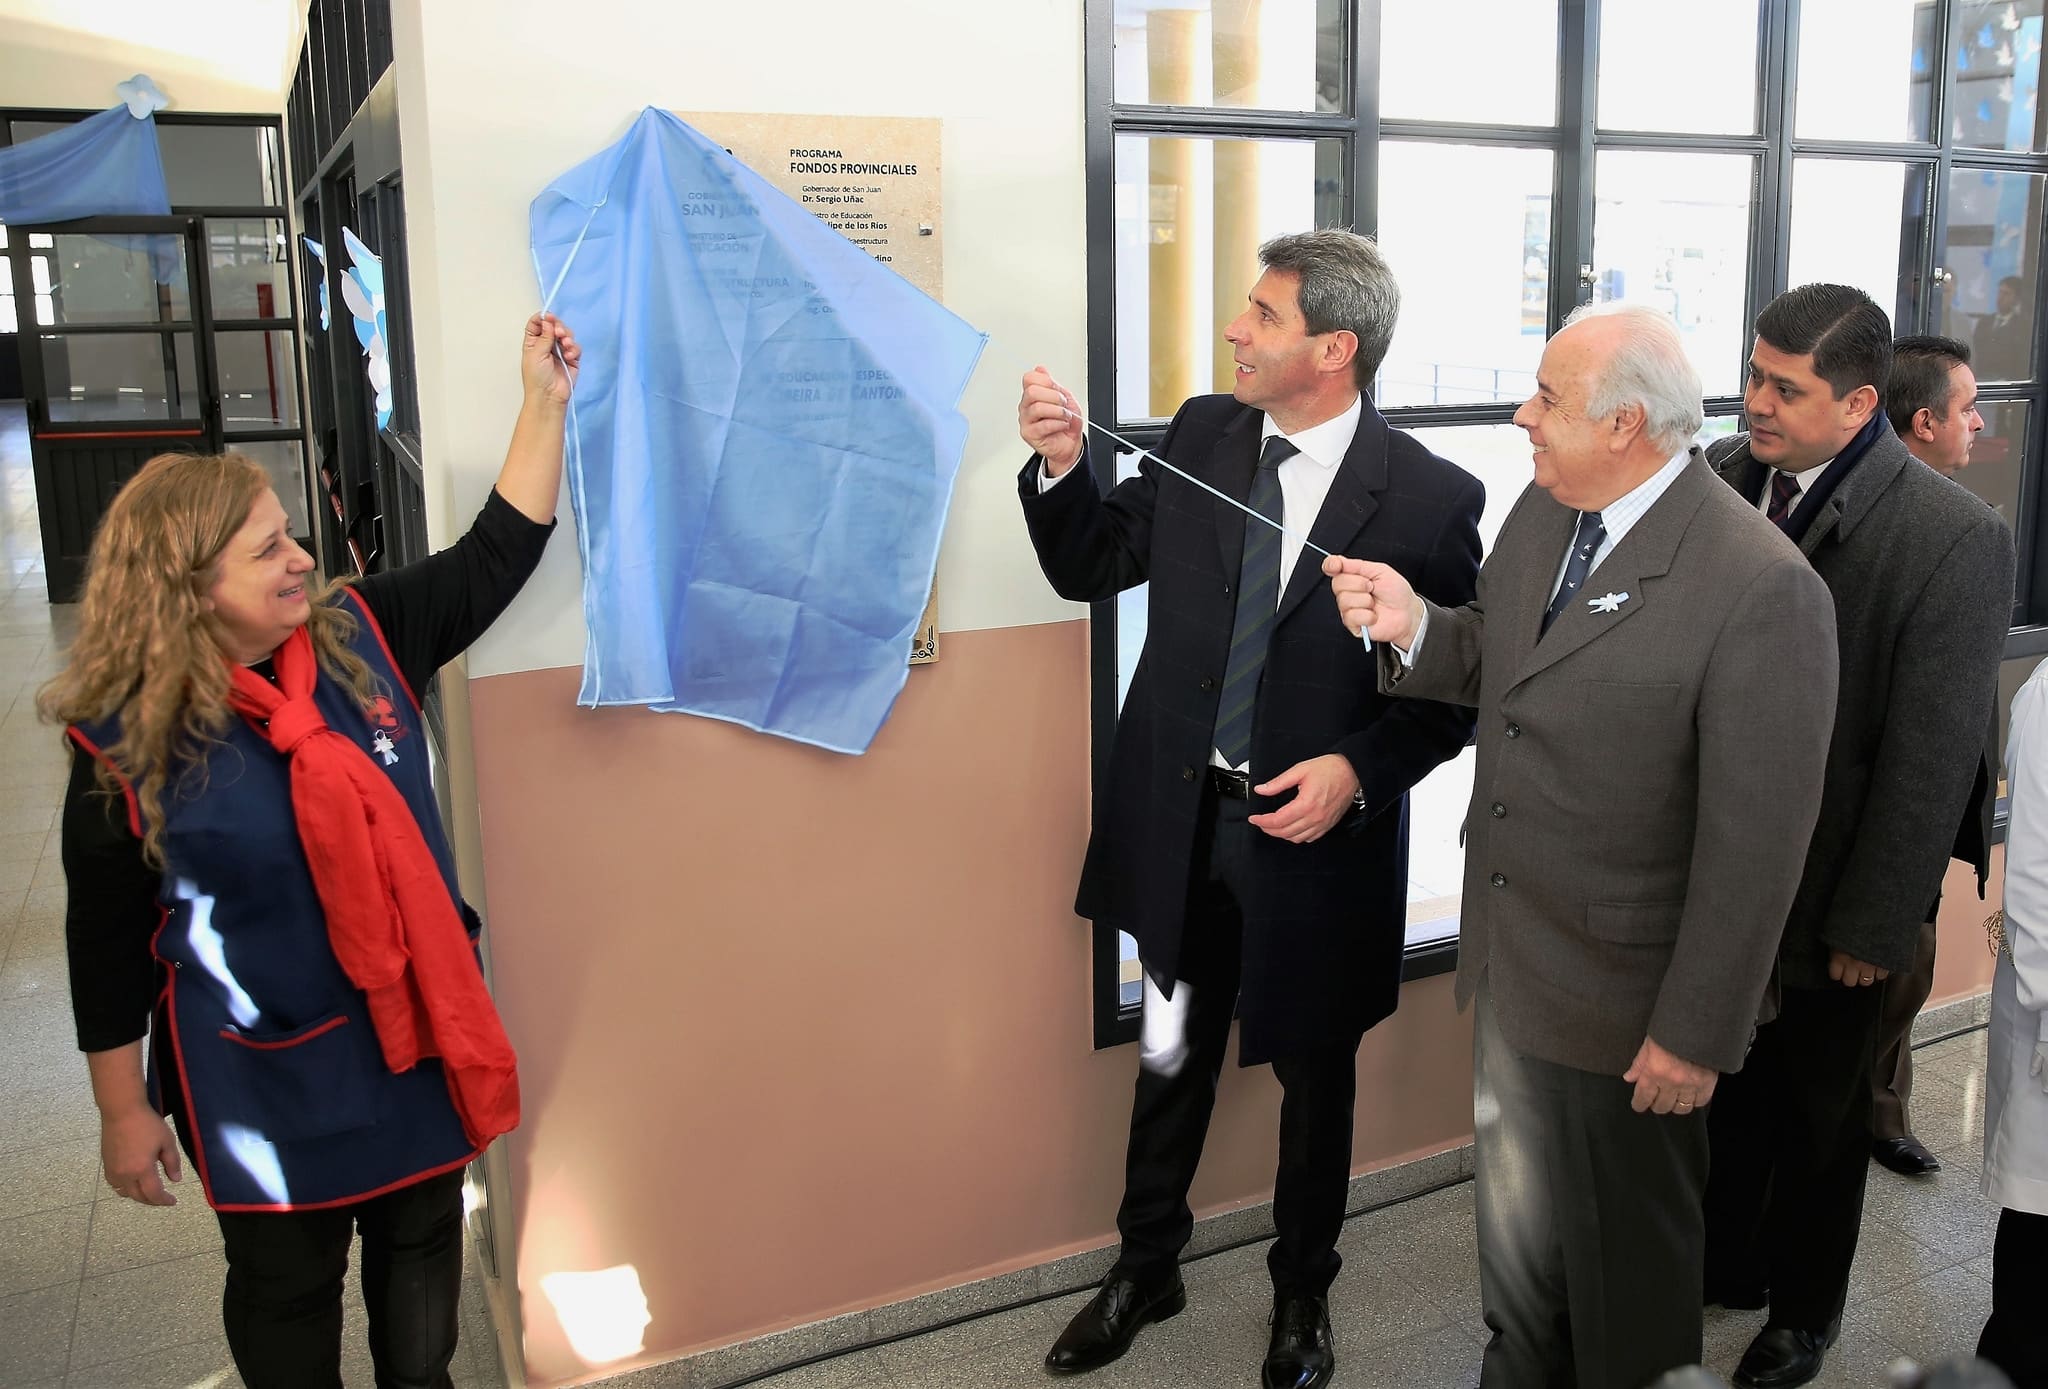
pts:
pixel 762 444
pixel 103 166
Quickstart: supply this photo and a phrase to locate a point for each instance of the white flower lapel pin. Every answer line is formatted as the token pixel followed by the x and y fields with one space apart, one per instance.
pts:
pixel 1607 602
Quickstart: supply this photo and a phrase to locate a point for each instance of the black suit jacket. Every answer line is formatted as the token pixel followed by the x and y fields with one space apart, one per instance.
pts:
pixel 1324 928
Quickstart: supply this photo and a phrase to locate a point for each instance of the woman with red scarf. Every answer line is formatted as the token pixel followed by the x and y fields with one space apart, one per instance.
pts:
pixel 260 884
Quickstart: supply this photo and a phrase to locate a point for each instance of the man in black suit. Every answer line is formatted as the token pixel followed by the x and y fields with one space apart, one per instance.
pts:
pixel 1251 831
pixel 1921 573
pixel 2005 336
pixel 1930 398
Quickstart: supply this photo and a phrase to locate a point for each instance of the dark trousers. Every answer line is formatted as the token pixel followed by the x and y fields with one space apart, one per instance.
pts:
pixel 1170 1114
pixel 1589 1223
pixel 2016 1337
pixel 282 1306
pixel 1892 1080
pixel 1791 1149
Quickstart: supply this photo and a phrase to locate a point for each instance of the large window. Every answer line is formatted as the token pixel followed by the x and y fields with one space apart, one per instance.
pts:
pixel 1517 158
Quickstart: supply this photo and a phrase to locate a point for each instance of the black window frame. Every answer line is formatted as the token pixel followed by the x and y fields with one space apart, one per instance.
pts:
pixel 341 116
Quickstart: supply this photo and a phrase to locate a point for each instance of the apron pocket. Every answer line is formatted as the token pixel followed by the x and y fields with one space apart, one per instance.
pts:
pixel 308 1082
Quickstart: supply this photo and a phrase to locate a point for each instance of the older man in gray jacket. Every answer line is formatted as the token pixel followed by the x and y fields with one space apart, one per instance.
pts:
pixel 1921 573
pixel 1635 835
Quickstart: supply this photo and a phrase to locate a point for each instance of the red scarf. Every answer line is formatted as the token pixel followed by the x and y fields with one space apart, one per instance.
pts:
pixel 390 920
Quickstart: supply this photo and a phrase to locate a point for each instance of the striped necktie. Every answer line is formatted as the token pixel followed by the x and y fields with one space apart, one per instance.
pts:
pixel 1258 600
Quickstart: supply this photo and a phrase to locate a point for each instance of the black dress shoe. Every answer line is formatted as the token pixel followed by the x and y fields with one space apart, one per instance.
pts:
pixel 1302 1354
pixel 1782 1358
pixel 1906 1156
pixel 1102 1330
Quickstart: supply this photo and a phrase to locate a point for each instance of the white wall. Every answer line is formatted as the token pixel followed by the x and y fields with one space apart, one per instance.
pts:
pixel 222 55
pixel 498 97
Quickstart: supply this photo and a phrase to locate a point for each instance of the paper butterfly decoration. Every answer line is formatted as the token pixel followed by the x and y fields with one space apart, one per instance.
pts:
pixel 362 289
pixel 142 95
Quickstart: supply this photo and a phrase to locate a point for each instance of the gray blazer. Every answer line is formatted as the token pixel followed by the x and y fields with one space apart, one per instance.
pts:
pixel 1922 574
pixel 1636 830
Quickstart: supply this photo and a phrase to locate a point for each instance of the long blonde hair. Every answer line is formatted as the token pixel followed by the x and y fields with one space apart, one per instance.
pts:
pixel 149 646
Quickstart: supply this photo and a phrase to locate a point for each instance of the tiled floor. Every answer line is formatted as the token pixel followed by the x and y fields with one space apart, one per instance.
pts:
pixel 1406 1308
pixel 98 1292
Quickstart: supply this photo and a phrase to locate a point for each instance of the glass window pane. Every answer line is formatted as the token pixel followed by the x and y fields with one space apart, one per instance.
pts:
pixel 1672 230
pixel 1994 244
pixel 1503 51
pixel 119 376
pixel 1998 75
pixel 1993 471
pixel 247 274
pixel 1275 55
pixel 1498 455
pixel 111 278
pixel 1130 975
pixel 8 323
pixel 24 131
pixel 1719 427
pixel 1436 860
pixel 256 382
pixel 1639 40
pixel 220 165
pixel 1466 229
pixel 281 459
pixel 1190 214
pixel 1840 233
pixel 1866 71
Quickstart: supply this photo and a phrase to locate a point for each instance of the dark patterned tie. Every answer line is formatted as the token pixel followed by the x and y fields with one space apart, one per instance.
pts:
pixel 1784 500
pixel 1585 545
pixel 1258 598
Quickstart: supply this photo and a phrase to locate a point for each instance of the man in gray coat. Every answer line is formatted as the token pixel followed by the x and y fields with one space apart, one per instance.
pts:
pixel 1921 575
pixel 1635 837
pixel 1930 397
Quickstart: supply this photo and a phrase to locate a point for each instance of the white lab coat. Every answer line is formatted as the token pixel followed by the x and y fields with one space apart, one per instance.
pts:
pixel 2015 1104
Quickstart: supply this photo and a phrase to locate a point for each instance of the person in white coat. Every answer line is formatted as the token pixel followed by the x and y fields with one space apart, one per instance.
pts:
pixel 2016 1072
